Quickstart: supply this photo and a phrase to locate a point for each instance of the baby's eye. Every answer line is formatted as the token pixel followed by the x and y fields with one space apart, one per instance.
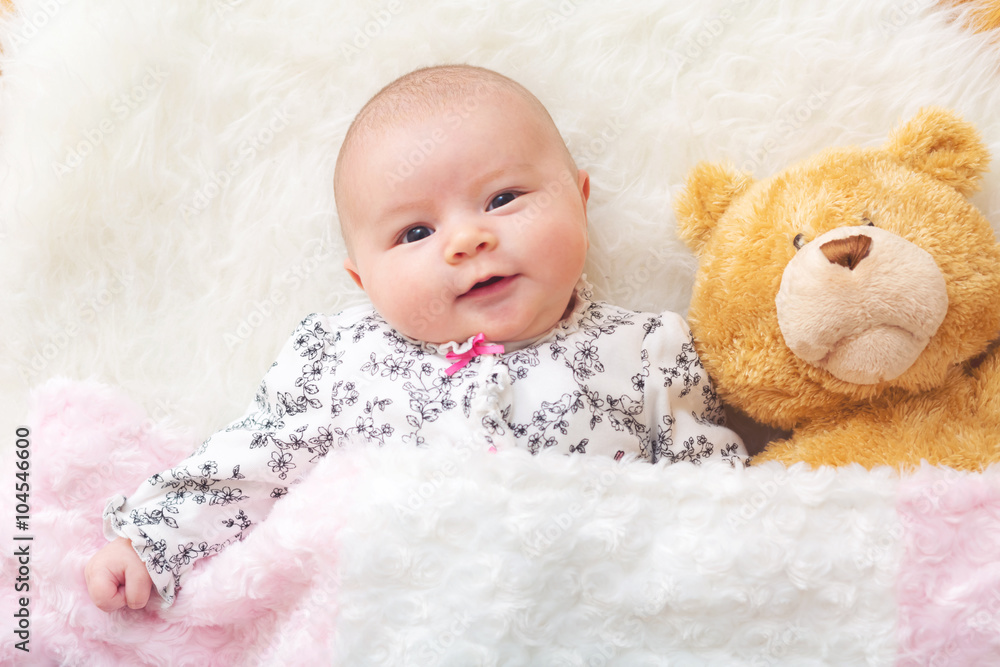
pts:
pixel 501 199
pixel 416 233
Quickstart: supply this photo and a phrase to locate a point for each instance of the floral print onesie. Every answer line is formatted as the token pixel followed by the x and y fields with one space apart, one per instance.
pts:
pixel 604 381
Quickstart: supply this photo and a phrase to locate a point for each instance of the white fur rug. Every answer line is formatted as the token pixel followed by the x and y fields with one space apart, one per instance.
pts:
pixel 166 213
pixel 167 210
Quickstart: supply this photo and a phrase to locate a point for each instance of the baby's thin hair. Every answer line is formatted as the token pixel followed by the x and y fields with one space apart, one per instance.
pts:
pixel 429 90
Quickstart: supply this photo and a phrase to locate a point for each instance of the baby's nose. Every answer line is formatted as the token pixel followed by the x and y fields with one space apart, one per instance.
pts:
pixel 469 241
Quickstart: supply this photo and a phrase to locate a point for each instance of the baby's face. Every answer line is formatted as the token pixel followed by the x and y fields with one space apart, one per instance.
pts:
pixel 465 222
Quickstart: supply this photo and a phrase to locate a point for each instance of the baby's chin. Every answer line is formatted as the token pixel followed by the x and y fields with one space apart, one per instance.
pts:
pixel 498 334
pixel 462 335
pixel 515 327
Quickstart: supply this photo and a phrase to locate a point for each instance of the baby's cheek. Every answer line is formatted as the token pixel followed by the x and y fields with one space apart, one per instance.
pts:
pixel 567 254
pixel 420 324
pixel 417 315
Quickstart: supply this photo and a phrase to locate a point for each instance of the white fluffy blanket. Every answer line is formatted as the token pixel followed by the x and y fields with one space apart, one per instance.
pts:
pixel 166 217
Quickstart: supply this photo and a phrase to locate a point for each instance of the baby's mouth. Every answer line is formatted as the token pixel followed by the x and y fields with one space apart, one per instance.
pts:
pixel 489 281
pixel 483 285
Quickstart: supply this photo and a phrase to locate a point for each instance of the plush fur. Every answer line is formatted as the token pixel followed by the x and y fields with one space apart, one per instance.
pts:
pixel 949 583
pixel 447 555
pixel 172 251
pixel 853 298
pixel 167 217
pixel 984 15
pixel 453 556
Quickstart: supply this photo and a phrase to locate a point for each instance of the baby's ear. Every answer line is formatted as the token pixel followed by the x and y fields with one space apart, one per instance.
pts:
pixel 708 192
pixel 940 144
pixel 352 269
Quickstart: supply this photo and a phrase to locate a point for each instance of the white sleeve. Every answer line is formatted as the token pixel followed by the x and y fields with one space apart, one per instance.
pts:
pixel 212 498
pixel 685 416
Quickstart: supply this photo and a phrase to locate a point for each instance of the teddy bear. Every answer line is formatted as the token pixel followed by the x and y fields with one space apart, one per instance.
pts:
pixel 853 299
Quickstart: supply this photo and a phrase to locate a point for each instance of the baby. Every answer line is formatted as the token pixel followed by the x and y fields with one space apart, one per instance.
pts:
pixel 465 220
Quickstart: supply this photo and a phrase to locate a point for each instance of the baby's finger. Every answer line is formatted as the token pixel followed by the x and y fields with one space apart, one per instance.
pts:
pixel 137 585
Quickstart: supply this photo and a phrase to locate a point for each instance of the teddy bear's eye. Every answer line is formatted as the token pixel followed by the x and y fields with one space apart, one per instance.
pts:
pixel 867 222
pixel 799 241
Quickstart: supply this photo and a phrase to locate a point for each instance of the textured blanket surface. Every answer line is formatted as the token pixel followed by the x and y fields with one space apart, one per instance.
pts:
pixel 166 217
pixel 447 555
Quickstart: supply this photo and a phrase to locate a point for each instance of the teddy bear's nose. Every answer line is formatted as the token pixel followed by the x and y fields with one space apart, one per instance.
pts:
pixel 847 252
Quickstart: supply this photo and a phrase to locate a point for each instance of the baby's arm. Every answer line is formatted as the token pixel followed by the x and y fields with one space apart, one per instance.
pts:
pixel 213 498
pixel 117 577
pixel 688 423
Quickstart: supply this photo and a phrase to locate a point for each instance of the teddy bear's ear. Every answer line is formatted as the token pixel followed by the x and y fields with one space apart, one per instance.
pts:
pixel 709 191
pixel 939 143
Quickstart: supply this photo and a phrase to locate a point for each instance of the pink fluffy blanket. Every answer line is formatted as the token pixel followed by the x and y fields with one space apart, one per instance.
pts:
pixel 436 556
pixel 88 441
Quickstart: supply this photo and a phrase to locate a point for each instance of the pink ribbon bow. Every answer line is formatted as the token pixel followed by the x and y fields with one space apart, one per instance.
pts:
pixel 477 348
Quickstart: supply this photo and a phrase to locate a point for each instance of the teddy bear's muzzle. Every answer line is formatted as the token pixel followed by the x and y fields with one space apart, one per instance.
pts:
pixel 861 303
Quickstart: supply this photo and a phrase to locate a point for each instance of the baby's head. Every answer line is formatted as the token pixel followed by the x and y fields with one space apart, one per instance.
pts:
pixel 461 207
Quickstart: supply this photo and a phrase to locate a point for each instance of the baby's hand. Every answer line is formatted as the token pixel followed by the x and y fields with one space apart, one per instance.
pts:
pixel 116 577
